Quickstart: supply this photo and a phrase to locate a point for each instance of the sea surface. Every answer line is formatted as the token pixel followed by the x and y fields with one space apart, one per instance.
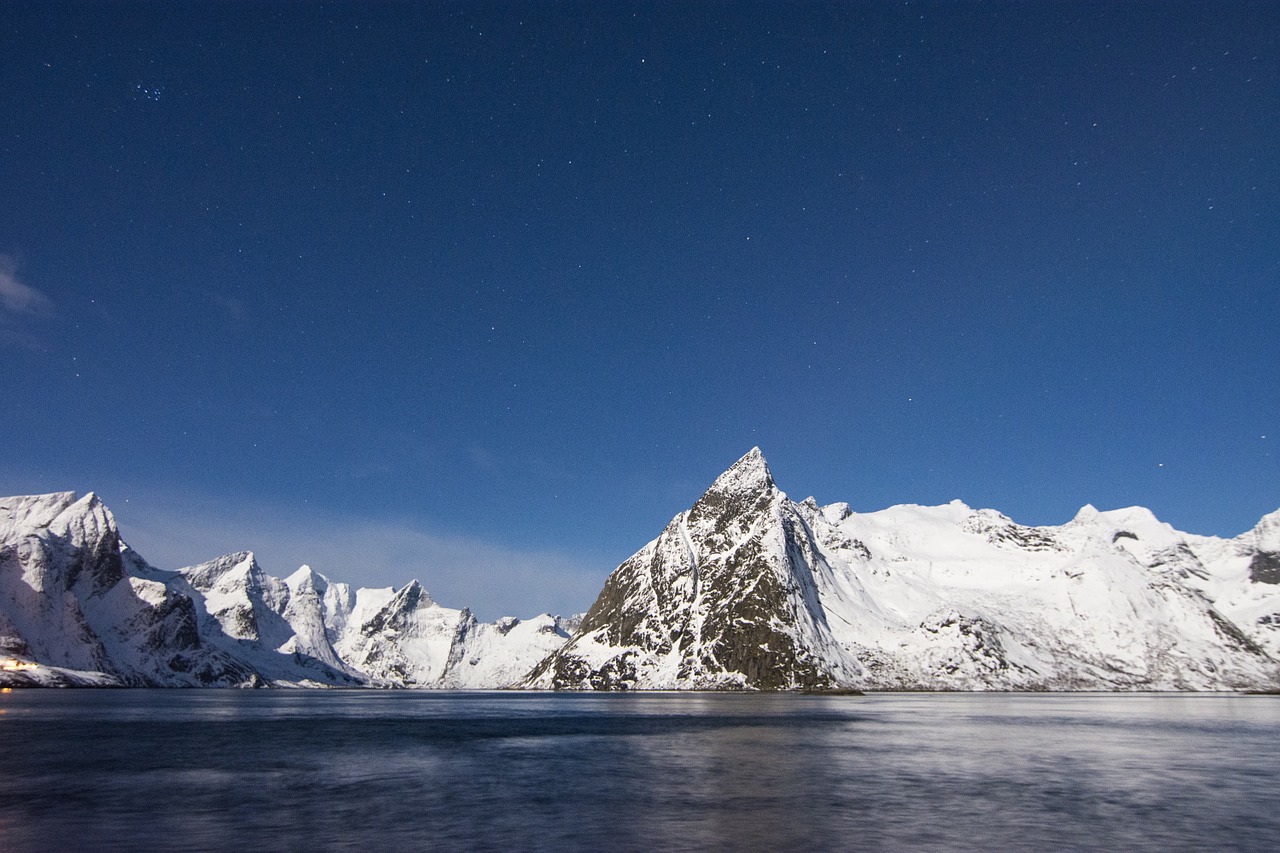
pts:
pixel 401 770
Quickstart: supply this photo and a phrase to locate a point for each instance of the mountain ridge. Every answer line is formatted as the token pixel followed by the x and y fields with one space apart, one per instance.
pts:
pixel 78 607
pixel 746 589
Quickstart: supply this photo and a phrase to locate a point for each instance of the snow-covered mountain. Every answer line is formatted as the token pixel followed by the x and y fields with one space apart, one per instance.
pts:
pixel 727 596
pixel 746 589
pixel 404 638
pixel 78 607
pixel 750 589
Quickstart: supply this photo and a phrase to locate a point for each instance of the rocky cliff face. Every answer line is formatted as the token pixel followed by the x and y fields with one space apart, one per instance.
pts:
pixel 725 597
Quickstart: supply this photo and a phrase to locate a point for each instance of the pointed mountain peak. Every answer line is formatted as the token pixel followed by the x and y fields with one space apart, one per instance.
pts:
pixel 753 458
pixel 396 614
pixel 749 474
pixel 410 597
pixel 736 500
pixel 86 520
pixel 205 575
pixel 1088 512
pixel 307 578
pixel 86 505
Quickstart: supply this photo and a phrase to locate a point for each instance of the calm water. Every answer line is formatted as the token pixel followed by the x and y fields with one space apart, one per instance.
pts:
pixel 277 770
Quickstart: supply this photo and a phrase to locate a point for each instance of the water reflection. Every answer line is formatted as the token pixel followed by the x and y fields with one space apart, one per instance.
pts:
pixel 354 769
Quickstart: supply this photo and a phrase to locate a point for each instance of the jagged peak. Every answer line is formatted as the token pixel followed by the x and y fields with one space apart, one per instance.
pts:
pixel 207 574
pixel 239 558
pixel 85 520
pixel 231 558
pixel 749 474
pixel 744 490
pixel 91 504
pixel 411 596
pixel 307 578
pixel 753 457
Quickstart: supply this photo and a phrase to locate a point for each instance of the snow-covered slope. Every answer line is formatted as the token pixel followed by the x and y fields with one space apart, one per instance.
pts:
pixel 750 589
pixel 78 607
pixel 746 589
pixel 410 640
pixel 77 601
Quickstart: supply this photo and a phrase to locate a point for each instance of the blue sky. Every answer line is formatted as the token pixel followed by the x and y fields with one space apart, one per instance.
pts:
pixel 485 293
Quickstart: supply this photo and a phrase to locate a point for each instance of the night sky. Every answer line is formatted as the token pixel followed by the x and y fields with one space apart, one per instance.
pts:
pixel 484 294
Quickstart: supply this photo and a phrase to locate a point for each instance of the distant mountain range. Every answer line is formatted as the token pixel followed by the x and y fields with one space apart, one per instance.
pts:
pixel 745 590
pixel 79 607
